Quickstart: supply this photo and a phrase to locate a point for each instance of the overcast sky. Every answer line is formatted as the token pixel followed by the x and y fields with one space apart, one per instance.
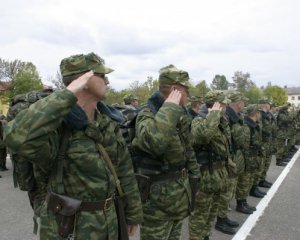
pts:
pixel 138 37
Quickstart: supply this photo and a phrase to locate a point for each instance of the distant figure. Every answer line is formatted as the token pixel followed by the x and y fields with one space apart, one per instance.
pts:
pixel 194 109
pixel 131 101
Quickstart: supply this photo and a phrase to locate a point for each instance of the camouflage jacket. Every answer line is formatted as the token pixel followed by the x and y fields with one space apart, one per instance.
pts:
pixel 285 124
pixel 213 134
pixel 254 150
pixel 163 133
pixel 266 124
pixel 238 137
pixel 35 133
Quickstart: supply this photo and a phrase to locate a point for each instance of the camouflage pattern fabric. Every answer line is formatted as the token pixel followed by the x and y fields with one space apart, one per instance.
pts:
pixel 253 154
pixel 163 133
pixel 23 172
pixel 284 134
pixel 161 230
pixel 86 175
pixel 267 132
pixel 211 132
pixel 243 186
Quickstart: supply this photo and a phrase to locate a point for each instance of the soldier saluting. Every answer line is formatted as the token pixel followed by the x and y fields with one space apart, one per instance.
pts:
pixel 79 193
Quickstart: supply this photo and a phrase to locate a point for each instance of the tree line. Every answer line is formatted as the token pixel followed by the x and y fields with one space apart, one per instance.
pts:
pixel 24 77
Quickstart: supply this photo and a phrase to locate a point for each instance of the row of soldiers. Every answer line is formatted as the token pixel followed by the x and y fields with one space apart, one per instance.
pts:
pixel 233 146
pixel 185 164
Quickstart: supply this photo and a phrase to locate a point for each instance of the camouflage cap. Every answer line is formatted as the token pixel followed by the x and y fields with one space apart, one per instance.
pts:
pixel 252 108
pixel 236 96
pixel 286 106
pixel 130 97
pixel 264 101
pixel 195 99
pixel 216 96
pixel 171 75
pixel 83 63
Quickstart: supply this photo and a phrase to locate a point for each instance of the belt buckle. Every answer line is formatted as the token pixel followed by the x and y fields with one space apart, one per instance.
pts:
pixel 107 204
pixel 183 173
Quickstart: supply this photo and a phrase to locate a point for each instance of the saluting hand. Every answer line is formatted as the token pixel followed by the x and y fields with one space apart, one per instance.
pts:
pixel 216 106
pixel 80 83
pixel 174 97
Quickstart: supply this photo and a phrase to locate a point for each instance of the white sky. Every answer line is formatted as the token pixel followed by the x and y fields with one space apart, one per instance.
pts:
pixel 137 38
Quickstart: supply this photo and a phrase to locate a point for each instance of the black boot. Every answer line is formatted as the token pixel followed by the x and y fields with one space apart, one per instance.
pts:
pixel 231 223
pixel 281 164
pixel 254 192
pixel 261 192
pixel 264 184
pixel 242 207
pixel 248 206
pixel 221 225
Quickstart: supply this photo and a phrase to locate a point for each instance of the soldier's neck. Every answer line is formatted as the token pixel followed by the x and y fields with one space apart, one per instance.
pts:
pixel 88 105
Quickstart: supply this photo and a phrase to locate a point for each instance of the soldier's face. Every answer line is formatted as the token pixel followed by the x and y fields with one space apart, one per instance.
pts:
pixel 241 105
pixel 184 94
pixel 135 103
pixel 97 86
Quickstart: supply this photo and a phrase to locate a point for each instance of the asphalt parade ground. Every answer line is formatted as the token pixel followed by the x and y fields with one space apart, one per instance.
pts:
pixel 277 216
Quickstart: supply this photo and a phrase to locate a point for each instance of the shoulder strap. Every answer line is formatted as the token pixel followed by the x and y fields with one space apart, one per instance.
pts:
pixel 111 168
pixel 57 171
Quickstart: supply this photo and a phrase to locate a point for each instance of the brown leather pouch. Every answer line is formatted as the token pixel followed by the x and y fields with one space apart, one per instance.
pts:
pixel 64 208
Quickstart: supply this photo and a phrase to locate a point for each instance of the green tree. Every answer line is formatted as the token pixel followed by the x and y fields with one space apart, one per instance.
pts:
pixel 277 94
pixel 253 93
pixel 23 81
pixel 242 81
pixel 219 83
pixel 8 69
pixel 200 89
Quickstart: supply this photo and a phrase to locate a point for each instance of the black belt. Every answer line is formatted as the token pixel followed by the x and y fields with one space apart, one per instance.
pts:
pixel 85 205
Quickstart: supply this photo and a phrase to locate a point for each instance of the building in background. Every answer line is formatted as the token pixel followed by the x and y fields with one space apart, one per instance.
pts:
pixel 293 95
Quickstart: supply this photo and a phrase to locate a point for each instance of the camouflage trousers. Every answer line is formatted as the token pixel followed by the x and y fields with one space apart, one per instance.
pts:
pixel 226 197
pixel 88 225
pixel 244 183
pixel 257 174
pixel 207 203
pixel 283 147
pixel 161 230
pixel 265 167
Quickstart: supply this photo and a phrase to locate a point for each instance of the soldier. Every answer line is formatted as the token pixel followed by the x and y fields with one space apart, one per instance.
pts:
pixel 80 183
pixel 194 109
pixel 267 131
pixel 253 153
pixel 165 157
pixel 131 101
pixel 235 170
pixel 284 134
pixel 211 136
pixel 3 152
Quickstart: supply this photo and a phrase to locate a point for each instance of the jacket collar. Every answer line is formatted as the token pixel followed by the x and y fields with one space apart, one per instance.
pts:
pixel 250 122
pixel 232 115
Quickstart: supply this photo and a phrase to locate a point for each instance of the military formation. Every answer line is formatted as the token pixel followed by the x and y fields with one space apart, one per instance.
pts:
pixel 95 171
